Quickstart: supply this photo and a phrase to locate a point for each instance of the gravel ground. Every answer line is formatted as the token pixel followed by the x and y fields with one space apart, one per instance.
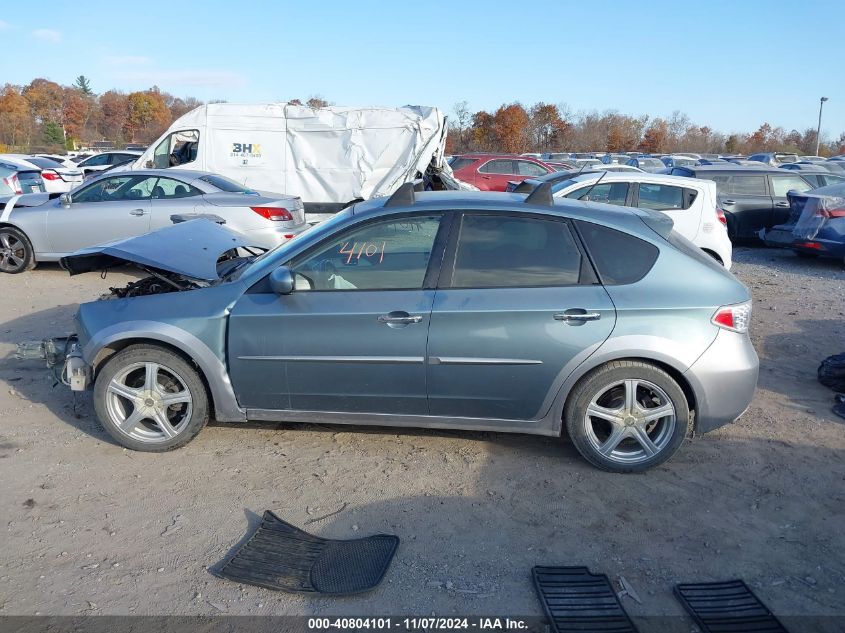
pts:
pixel 91 528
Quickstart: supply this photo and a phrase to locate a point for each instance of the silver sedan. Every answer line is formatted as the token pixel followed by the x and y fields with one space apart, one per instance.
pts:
pixel 41 227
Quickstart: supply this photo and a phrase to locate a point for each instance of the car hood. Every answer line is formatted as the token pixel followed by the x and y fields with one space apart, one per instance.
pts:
pixel 190 249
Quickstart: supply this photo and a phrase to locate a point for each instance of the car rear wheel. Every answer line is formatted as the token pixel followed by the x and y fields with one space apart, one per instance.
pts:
pixel 15 251
pixel 627 416
pixel 151 399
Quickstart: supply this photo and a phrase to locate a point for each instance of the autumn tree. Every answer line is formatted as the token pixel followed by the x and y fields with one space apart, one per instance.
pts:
pixel 45 100
pixel 76 108
pixel 316 102
pixel 15 118
pixel 510 128
pixel 147 116
pixel 547 127
pixel 482 131
pixel 655 137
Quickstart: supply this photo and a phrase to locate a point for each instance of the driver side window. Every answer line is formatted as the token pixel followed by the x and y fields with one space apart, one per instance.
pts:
pixel 117 188
pixel 177 148
pixel 382 255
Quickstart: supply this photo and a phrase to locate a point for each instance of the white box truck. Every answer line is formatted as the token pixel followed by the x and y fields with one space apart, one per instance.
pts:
pixel 329 157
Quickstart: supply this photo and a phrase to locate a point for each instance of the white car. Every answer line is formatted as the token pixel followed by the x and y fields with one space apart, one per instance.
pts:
pixel 107 160
pixel 57 177
pixel 616 168
pixel 691 203
pixel 67 161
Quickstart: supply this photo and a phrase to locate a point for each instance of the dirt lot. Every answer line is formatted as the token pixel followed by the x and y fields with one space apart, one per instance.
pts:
pixel 91 528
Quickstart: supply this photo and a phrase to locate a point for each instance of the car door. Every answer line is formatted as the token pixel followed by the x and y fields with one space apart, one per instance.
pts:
pixel 495 174
pixel 745 199
pixel 106 210
pixel 515 303
pixel 781 185
pixel 352 336
pixel 173 197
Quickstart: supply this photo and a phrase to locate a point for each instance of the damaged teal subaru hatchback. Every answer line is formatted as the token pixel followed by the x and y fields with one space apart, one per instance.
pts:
pixel 451 310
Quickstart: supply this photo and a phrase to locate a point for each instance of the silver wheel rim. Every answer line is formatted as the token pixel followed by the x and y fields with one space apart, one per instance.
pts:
pixel 630 421
pixel 149 402
pixel 12 252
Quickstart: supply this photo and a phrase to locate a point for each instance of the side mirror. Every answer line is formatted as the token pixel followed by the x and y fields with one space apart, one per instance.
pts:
pixel 281 280
pixel 66 200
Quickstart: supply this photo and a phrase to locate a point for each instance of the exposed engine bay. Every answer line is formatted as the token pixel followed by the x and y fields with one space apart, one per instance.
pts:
pixel 155 284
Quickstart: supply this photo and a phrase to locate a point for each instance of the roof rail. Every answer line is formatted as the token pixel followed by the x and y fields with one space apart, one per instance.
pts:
pixel 402 197
pixel 541 196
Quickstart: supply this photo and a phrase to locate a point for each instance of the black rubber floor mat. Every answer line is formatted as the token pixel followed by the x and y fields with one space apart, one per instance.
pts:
pixel 283 557
pixel 727 607
pixel 576 600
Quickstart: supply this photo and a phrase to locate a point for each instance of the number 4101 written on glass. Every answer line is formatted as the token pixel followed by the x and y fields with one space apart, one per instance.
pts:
pixel 364 249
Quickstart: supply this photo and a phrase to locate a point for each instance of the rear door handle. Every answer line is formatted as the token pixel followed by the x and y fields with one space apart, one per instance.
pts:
pixel 781 204
pixel 137 212
pixel 577 317
pixel 728 201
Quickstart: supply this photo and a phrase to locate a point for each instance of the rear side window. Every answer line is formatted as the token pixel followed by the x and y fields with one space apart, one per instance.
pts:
pixel 739 184
pixel 515 252
pixel 459 163
pixel 619 258
pixel 782 184
pixel 527 168
pixel 661 197
pixel 497 167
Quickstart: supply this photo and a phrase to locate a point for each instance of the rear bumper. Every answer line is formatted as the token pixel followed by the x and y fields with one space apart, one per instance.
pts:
pixel 724 379
pixel 270 237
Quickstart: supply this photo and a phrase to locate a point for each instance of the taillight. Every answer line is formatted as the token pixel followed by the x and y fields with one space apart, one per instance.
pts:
pixel 13 183
pixel 50 175
pixel 831 213
pixel 277 214
pixel 811 245
pixel 721 215
pixel 734 317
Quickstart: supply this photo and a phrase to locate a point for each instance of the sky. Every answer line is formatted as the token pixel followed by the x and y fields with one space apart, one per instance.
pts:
pixel 728 64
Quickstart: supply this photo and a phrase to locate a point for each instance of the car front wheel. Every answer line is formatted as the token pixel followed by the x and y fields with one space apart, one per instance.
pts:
pixel 627 416
pixel 151 399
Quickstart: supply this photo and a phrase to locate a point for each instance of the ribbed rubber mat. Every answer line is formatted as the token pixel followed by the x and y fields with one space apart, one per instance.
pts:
pixel 576 600
pixel 283 557
pixel 727 607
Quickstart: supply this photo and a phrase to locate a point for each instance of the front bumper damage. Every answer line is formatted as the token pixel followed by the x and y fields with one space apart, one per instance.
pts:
pixel 63 356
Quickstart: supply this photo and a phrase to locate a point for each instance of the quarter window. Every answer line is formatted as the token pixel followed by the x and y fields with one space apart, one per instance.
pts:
pixel 504 251
pixel 167 188
pixel 619 258
pixel 386 255
pixel 782 184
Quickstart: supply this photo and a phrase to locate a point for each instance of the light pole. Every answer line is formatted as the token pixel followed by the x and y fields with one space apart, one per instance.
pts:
pixel 819 129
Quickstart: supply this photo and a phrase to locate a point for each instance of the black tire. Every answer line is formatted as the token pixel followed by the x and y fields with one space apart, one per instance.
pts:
pixel 603 382
pixel 16 255
pixel 186 419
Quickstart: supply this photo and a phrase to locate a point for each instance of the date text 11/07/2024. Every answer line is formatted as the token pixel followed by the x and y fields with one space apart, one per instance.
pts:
pixel 418 624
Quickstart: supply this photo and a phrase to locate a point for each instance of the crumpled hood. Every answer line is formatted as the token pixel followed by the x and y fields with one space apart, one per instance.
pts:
pixel 190 249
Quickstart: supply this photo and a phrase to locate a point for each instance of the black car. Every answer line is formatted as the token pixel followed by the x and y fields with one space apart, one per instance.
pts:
pixel 530 184
pixel 815 173
pixel 752 198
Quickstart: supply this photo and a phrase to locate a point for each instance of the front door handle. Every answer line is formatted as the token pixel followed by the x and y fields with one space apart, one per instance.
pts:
pixel 781 204
pixel 728 201
pixel 399 319
pixel 137 212
pixel 577 317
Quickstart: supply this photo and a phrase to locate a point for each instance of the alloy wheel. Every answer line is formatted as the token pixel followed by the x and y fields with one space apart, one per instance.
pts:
pixel 149 402
pixel 630 421
pixel 12 253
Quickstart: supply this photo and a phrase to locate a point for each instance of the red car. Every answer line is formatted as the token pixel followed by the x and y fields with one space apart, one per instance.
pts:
pixel 491 172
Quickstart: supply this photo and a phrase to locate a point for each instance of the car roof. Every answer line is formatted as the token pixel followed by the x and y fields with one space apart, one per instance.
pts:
pixel 497 202
pixel 18 160
pixel 734 168
pixel 482 155
pixel 637 176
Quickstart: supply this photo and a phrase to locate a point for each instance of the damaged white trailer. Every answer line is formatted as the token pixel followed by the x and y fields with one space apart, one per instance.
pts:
pixel 328 156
